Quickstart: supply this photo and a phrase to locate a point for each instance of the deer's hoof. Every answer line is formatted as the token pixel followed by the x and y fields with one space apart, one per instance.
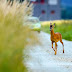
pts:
pixel 55 52
pixel 54 49
pixel 63 51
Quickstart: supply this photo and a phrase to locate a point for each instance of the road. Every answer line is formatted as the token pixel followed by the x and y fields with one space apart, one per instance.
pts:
pixel 41 58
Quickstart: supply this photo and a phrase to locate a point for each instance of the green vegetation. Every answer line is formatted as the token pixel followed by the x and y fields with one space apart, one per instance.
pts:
pixel 13 36
pixel 65 28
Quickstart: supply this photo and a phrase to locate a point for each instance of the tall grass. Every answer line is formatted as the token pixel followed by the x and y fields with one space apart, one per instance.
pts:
pixel 14 35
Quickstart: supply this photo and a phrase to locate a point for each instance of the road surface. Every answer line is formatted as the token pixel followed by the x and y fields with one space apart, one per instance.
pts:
pixel 41 58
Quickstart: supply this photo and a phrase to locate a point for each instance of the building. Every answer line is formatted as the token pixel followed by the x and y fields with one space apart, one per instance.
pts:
pixel 47 9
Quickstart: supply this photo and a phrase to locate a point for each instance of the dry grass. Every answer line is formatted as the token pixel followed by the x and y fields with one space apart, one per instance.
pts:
pixel 58 22
pixel 14 35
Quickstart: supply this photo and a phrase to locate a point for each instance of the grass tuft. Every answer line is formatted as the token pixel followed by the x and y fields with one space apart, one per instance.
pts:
pixel 14 35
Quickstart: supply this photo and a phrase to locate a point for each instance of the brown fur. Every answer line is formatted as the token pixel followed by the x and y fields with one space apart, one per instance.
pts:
pixel 55 37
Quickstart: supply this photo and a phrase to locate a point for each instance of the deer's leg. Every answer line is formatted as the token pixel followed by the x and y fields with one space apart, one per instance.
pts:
pixel 52 45
pixel 63 45
pixel 55 48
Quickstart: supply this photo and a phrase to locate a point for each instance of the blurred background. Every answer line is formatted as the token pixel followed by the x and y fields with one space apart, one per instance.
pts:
pixel 52 9
pixel 66 6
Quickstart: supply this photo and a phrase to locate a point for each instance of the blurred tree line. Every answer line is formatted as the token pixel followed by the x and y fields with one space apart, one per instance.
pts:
pixel 66 13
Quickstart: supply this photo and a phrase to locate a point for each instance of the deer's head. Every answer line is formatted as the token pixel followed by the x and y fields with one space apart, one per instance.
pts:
pixel 52 26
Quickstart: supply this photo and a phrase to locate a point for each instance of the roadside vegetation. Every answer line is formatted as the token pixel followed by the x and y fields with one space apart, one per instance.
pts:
pixel 63 26
pixel 14 35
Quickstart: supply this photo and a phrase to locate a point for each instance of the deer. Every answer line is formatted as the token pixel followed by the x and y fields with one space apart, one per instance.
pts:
pixel 55 37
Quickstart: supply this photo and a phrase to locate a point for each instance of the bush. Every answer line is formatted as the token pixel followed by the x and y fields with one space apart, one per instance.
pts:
pixel 13 35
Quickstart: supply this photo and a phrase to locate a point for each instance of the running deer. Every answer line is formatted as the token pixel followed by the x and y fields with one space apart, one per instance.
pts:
pixel 55 37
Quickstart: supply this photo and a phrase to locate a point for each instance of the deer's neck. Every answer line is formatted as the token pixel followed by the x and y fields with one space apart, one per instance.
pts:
pixel 52 32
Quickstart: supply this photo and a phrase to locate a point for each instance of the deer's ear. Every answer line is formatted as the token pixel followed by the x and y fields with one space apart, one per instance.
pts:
pixel 50 23
pixel 54 24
